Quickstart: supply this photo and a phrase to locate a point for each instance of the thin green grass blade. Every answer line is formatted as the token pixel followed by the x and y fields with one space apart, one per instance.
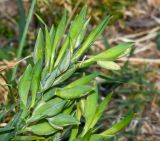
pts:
pixel 101 108
pixel 119 126
pixel 22 42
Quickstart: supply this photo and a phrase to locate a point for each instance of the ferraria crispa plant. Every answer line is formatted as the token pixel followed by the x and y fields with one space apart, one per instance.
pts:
pixel 54 102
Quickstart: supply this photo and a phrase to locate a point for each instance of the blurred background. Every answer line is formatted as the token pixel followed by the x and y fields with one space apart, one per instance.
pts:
pixel 135 86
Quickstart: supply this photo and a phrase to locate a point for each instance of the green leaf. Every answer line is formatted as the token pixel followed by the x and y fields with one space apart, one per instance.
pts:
pixel 52 34
pixel 108 55
pixel 79 22
pixel 90 110
pixel 49 79
pixel 119 126
pixel 65 76
pixel 91 38
pixel 73 93
pixel 97 137
pixel 4 129
pixel 39 18
pixel 64 64
pixel 82 33
pixel 39 48
pixel 43 128
pixel 75 128
pixel 27 138
pixel 101 108
pixel 110 65
pixel 58 37
pixel 49 94
pixel 24 85
pixel 36 75
pixel 112 53
pixel 47 109
pixel 48 48
pixel 63 120
pixel 82 81
pixel 6 136
pixel 69 109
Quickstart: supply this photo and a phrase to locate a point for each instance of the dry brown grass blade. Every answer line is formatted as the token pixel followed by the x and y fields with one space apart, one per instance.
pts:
pixel 5 65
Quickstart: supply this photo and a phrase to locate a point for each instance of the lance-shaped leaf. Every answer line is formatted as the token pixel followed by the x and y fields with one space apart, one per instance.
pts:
pixel 62 120
pixel 108 55
pixel 24 85
pixel 90 110
pixel 79 22
pixel 43 128
pixel 39 48
pixel 119 126
pixel 82 33
pixel 36 74
pixel 52 34
pixel 58 37
pixel 91 38
pixel 101 108
pixel 74 92
pixel 75 128
pixel 47 109
pixel 110 65
pixel 64 64
pixel 48 48
pixel 82 81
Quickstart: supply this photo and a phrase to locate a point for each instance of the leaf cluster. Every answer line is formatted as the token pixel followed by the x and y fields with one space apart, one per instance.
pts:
pixel 50 106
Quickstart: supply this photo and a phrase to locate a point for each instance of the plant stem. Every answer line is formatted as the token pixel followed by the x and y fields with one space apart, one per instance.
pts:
pixel 22 42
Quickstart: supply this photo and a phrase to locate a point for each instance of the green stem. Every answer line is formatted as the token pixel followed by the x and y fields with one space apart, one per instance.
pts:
pixel 22 42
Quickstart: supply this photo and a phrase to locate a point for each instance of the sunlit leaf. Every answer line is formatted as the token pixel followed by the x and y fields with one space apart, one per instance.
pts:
pixel 108 55
pixel 110 65
pixel 43 128
pixel 24 85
